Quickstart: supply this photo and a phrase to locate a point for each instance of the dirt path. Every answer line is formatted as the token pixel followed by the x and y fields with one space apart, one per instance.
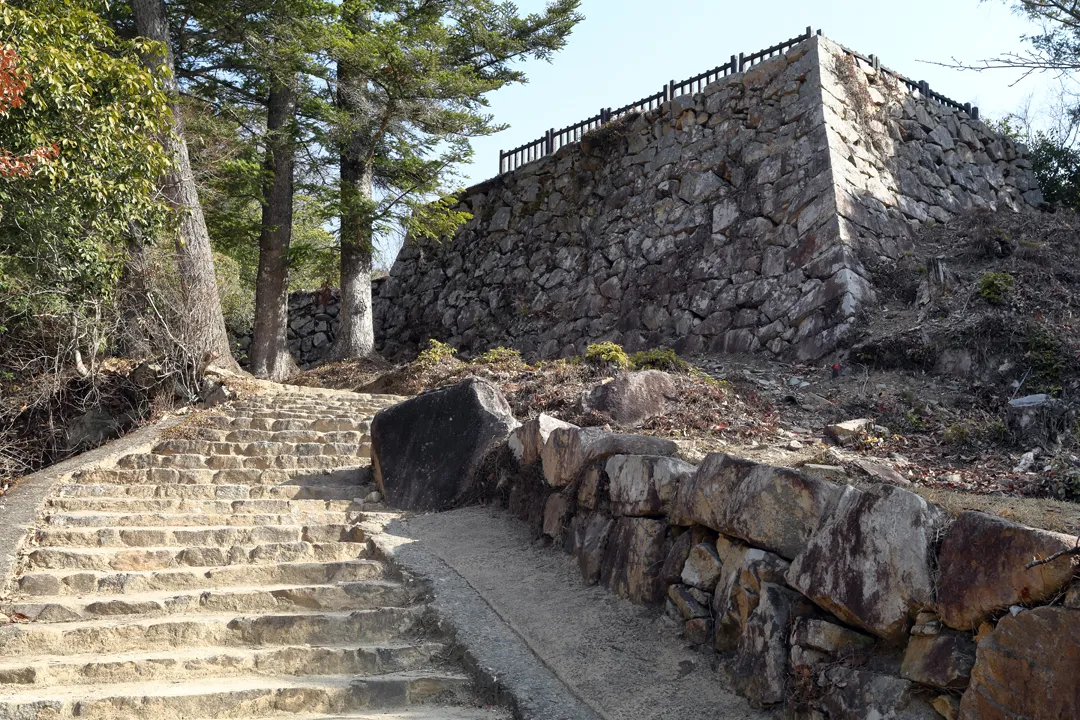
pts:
pixel 623 660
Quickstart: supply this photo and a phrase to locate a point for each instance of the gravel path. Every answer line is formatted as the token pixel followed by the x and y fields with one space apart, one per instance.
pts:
pixel 625 661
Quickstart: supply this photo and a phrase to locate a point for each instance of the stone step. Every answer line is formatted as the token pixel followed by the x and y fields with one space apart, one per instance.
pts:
pixel 19 675
pixel 114 635
pixel 258 448
pixel 237 697
pixel 219 536
pixel 106 519
pixel 280 436
pixel 83 582
pixel 213 492
pixel 365 595
pixel 359 473
pixel 142 461
pixel 320 424
pixel 186 506
pixel 420 712
pixel 162 558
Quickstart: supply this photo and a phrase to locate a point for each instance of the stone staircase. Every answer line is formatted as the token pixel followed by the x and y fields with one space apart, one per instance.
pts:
pixel 224 574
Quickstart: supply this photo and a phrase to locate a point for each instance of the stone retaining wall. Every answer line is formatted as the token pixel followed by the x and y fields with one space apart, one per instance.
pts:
pixel 738 219
pixel 313 326
pixel 835 601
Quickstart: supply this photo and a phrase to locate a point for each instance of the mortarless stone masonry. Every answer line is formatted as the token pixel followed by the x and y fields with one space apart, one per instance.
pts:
pixel 738 219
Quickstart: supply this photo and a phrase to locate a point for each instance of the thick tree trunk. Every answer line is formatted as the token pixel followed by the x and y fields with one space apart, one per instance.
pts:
pixel 203 326
pixel 356 334
pixel 270 356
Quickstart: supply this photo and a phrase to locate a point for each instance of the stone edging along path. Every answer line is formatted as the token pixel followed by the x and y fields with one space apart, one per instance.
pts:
pixel 830 600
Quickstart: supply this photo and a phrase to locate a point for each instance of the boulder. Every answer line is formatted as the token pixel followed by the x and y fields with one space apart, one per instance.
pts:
pixel 983 568
pixel 763 662
pixel 943 660
pixel 745 571
pixel 634 556
pixel 593 483
pixel 770 507
pixel 1027 668
pixel 527 441
pixel 644 485
pixel 568 450
pixel 850 694
pixel 870 561
pixel 702 569
pixel 1039 419
pixel 881 473
pixel 632 397
pixel 426 452
pixel 592 547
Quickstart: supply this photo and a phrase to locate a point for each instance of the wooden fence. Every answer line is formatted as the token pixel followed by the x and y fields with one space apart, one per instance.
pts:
pixel 510 160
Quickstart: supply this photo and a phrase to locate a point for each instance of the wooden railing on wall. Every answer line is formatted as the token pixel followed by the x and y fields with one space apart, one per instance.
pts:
pixel 552 140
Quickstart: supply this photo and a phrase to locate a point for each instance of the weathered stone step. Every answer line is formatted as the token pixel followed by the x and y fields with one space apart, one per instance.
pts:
pixel 321 424
pixel 106 519
pixel 236 697
pixel 141 461
pixel 187 506
pixel 209 630
pixel 220 536
pixel 257 448
pixel 360 474
pixel 280 436
pixel 68 583
pixel 18 675
pixel 365 595
pixel 161 558
pixel 214 492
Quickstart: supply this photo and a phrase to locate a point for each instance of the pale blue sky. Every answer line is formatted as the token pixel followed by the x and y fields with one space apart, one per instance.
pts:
pixel 627 49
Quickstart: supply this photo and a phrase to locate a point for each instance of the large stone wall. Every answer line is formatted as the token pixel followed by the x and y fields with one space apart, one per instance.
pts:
pixel 738 219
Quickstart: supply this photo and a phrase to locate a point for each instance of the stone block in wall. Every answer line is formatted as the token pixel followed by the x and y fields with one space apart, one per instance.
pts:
pixel 1027 668
pixel 592 545
pixel 983 568
pixel 770 507
pixel 855 694
pixel 702 569
pixel 633 559
pixel 762 666
pixel 527 441
pixel 829 638
pixel 671 571
pixel 568 450
pixel 869 562
pixel 942 659
pixel 738 591
pixel 644 485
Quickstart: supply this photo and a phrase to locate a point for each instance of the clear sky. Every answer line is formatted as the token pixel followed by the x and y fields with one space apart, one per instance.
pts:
pixel 627 49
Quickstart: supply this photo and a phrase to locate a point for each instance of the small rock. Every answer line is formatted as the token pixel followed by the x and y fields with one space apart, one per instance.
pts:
pixel 847 431
pixel 794 445
pixel 1027 461
pixel 373 497
pixel 825 472
pixel 947 706
pixel 698 631
pixel 882 473
pixel 702 569
pixel 685 602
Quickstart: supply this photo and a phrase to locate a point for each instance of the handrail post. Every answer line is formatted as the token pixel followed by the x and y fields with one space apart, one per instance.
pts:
pixel 974 113
pixel 809 31
pixel 549 142
pixel 924 89
pixel 502 158
pixel 742 61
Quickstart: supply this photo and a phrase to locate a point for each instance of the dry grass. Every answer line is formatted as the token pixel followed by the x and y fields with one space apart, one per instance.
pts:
pixel 1053 515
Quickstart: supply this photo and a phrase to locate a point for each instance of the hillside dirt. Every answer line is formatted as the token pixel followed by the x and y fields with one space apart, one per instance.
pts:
pixel 983 311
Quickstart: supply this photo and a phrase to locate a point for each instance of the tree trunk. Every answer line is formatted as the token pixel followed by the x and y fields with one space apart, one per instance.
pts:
pixel 356 334
pixel 203 326
pixel 270 356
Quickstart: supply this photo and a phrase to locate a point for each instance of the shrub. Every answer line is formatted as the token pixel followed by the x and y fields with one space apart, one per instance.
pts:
pixel 607 353
pixel 659 359
pixel 994 287
pixel 434 353
pixel 499 356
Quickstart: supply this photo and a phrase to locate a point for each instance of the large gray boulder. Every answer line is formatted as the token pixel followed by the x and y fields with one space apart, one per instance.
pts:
pixel 632 397
pixel 870 561
pixel 426 452
pixel 773 508
pixel 569 449
pixel 645 485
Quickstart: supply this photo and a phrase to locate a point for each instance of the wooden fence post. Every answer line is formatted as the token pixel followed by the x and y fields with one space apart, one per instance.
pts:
pixel 734 64
pixel 809 32
pixel 742 62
